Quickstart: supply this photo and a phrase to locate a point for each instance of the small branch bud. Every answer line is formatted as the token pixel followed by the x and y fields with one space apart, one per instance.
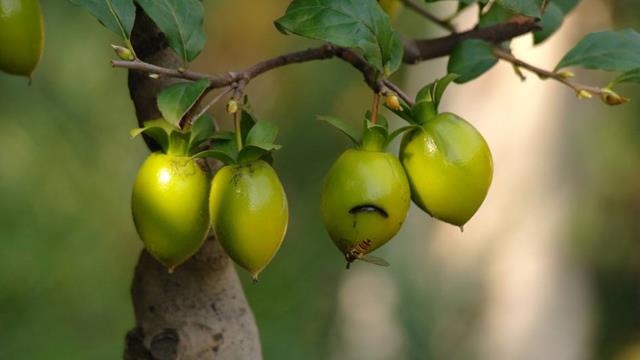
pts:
pixel 393 102
pixel 583 94
pixel 154 76
pixel 566 74
pixel 123 53
pixel 612 98
pixel 232 107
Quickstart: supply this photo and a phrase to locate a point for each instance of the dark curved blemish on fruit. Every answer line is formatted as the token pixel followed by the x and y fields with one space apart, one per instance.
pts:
pixel 369 208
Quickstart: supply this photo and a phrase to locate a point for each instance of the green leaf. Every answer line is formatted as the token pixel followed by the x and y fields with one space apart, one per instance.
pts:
pixel 200 130
pixel 606 50
pixel 524 7
pixel 116 15
pixel 566 5
pixel 470 59
pixel 222 135
pixel 550 22
pixel 263 132
pixel 346 128
pixel 395 133
pixel 182 23
pixel 176 100
pixel 496 15
pixel 247 122
pixel 158 130
pixel 216 154
pixel 251 153
pixel 631 76
pixel 354 23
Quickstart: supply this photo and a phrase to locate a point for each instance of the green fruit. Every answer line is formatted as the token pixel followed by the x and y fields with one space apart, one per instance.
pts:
pixel 364 201
pixel 21 36
pixel 169 205
pixel 249 213
pixel 449 167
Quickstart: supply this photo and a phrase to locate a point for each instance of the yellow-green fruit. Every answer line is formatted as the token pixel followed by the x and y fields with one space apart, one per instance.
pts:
pixel 449 167
pixel 169 205
pixel 391 7
pixel 365 199
pixel 249 213
pixel 21 36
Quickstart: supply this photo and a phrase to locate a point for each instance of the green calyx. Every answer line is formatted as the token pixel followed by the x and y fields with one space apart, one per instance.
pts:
pixel 374 136
pixel 427 102
pixel 175 141
pixel 256 142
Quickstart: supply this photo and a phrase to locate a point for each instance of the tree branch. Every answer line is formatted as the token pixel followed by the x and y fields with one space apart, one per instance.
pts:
pixel 546 74
pixel 416 51
pixel 429 16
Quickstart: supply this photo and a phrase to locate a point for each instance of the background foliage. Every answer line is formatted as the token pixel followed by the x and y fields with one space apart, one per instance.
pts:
pixel 67 165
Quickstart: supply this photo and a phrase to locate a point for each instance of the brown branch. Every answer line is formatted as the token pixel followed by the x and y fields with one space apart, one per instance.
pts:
pixel 546 74
pixel 429 16
pixel 416 51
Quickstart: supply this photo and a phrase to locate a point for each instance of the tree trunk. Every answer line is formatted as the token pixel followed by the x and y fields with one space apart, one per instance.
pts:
pixel 200 311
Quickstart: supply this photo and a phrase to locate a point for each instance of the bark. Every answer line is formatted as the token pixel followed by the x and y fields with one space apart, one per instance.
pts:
pixel 200 311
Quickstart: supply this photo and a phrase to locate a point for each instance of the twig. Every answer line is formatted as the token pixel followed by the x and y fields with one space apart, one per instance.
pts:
pixel 393 87
pixel 426 14
pixel 213 101
pixel 546 74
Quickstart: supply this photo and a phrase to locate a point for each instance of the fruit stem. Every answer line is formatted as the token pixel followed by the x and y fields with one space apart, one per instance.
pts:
pixel 238 129
pixel 375 108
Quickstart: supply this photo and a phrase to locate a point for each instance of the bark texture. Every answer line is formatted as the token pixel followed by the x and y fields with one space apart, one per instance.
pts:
pixel 200 311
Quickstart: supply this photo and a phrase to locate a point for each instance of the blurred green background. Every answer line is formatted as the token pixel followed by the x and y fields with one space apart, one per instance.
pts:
pixel 69 246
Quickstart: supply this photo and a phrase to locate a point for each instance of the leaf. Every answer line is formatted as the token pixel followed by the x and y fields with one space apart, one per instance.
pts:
pixel 222 149
pixel 566 5
pixel 606 50
pixel 251 153
pixel 496 15
pixel 182 23
pixel 247 122
pixel 395 133
pixel 550 22
pixel 351 23
pixel 116 15
pixel 263 132
pixel 176 100
pixel 200 130
pixel 158 130
pixel 631 76
pixel 524 7
pixel 346 128
pixel 216 154
pixel 470 59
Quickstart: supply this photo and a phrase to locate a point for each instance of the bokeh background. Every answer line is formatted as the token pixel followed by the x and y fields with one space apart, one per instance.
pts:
pixel 549 268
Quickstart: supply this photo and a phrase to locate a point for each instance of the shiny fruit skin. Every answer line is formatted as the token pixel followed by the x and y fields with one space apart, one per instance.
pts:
pixel 364 179
pixel 249 213
pixel 169 205
pixel 449 167
pixel 21 36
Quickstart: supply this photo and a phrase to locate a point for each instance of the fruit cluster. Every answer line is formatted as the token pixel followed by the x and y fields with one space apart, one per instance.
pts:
pixel 444 166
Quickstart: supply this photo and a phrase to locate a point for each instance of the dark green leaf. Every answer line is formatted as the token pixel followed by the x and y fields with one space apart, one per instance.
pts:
pixel 566 5
pixel 158 130
pixel 496 15
pixel 216 154
pixel 606 50
pixel 117 15
pixel 550 22
pixel 200 130
pixel 354 23
pixel 346 128
pixel 251 153
pixel 395 133
pixel 631 76
pixel 470 59
pixel 247 121
pixel 177 99
pixel 263 132
pixel 182 23
pixel 524 7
